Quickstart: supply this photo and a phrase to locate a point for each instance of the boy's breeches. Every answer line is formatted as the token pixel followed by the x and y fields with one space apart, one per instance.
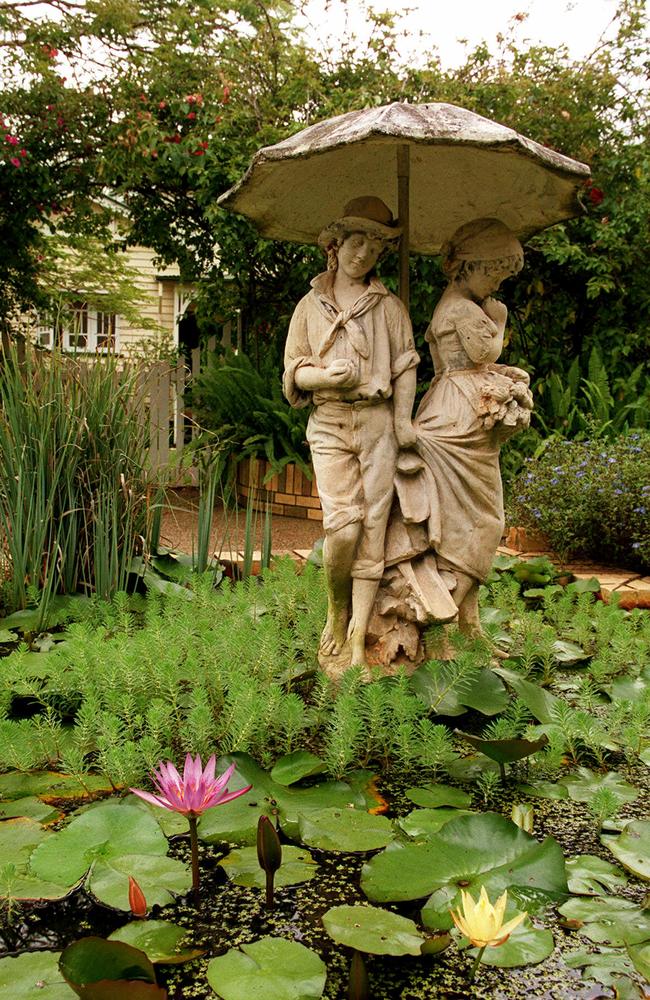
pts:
pixel 354 452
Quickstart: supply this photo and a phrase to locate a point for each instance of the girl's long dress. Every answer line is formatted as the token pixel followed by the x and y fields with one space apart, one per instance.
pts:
pixel 449 515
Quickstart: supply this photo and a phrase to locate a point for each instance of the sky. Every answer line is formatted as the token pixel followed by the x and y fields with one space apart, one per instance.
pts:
pixel 442 23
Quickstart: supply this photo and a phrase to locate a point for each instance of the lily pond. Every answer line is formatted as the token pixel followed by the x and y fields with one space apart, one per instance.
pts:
pixel 478 829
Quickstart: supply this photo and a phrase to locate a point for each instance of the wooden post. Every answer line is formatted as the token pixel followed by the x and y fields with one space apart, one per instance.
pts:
pixel 403 206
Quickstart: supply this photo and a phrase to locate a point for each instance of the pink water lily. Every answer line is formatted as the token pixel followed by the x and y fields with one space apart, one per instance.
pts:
pixel 190 796
pixel 195 792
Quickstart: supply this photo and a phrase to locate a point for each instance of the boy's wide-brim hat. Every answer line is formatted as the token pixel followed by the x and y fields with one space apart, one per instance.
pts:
pixel 363 215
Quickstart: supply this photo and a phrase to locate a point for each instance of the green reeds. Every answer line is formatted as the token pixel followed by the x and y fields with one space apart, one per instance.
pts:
pixel 73 492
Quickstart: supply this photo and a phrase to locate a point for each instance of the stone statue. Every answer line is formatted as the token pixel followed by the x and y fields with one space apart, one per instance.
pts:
pixel 350 353
pixel 447 517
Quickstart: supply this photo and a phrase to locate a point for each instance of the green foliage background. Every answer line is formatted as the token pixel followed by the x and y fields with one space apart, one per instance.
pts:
pixel 164 105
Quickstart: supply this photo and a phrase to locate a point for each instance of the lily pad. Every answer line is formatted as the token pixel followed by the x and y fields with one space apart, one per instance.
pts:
pixel 160 878
pixel 268 968
pixel 608 920
pixel 630 688
pixel 527 945
pixel 568 653
pixel 470 768
pixel 640 955
pixel 23 886
pixel 110 842
pixel 35 974
pixel 296 766
pixel 424 822
pixel 50 785
pixel 243 868
pixel 433 683
pixel 172 824
pixel 606 965
pixel 350 830
pixel 105 832
pixel 100 970
pixel 18 838
pixel 583 784
pixel 632 848
pixel 160 940
pixel 434 796
pixel 29 807
pixel 373 930
pixel 7 636
pixel 236 821
pixel 61 608
pixel 504 751
pixel 544 790
pixel 540 703
pixel 588 875
pixel 468 852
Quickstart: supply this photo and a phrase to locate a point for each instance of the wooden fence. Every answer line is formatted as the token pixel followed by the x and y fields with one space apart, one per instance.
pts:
pixel 161 401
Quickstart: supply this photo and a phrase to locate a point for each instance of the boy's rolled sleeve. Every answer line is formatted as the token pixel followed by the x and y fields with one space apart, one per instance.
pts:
pixel 403 355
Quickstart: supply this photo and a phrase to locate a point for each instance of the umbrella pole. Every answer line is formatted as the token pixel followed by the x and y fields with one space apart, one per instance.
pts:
pixel 403 204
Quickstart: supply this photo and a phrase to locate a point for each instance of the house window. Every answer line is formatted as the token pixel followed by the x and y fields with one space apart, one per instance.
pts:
pixel 85 330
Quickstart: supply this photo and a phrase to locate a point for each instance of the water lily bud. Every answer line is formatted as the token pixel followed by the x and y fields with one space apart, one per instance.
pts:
pixel 269 848
pixel 358 985
pixel 523 815
pixel 137 902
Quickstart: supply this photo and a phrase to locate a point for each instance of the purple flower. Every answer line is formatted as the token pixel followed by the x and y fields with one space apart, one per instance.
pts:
pixel 190 796
pixel 195 792
pixel 639 510
pixel 636 545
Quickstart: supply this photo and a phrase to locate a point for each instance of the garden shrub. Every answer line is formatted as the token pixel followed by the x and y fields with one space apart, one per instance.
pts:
pixel 74 498
pixel 589 498
pixel 249 413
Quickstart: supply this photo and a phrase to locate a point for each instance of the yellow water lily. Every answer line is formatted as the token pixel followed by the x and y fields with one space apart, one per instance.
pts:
pixel 482 921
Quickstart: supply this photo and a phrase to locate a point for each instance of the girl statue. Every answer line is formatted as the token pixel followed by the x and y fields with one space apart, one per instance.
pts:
pixel 447 518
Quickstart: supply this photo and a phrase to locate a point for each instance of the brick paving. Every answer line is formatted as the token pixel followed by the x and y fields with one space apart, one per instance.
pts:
pixel 295 536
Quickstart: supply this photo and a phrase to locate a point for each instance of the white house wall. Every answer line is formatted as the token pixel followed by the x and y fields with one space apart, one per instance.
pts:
pixel 160 299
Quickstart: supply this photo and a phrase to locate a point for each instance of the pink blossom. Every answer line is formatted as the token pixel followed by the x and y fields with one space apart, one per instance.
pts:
pixel 15 161
pixel 12 140
pixel 195 792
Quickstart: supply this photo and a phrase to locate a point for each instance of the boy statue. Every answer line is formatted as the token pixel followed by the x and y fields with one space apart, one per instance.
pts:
pixel 350 353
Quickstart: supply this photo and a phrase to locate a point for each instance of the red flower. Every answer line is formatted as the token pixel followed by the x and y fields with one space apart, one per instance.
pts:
pixel 162 105
pixel 12 140
pixel 15 161
pixel 199 152
pixel 191 115
pixel 23 152
pixel 226 94
pixel 595 195
pixel 137 902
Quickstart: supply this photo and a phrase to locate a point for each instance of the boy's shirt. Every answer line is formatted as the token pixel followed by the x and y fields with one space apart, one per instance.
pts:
pixel 375 333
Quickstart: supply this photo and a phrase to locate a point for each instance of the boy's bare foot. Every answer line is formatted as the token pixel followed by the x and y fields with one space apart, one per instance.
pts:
pixel 334 634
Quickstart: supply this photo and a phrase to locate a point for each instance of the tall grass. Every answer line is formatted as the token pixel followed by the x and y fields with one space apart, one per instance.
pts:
pixel 73 486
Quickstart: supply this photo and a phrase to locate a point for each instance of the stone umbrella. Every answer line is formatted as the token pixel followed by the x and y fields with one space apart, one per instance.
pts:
pixel 438 164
